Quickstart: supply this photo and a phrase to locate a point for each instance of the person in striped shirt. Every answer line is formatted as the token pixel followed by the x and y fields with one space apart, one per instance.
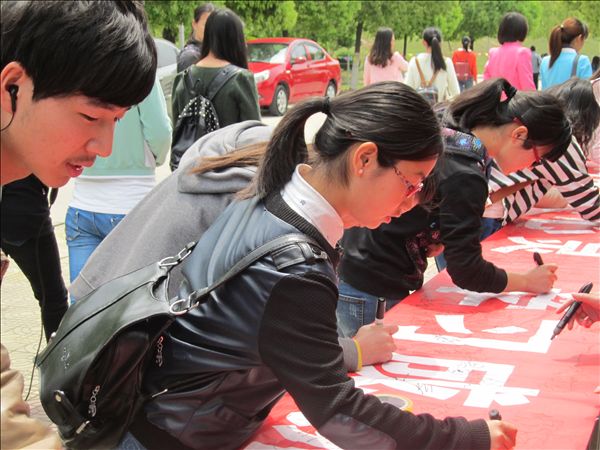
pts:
pixel 514 194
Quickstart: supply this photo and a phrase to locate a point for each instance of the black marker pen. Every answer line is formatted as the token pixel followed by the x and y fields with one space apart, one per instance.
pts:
pixel 380 311
pixel 568 315
pixel 538 259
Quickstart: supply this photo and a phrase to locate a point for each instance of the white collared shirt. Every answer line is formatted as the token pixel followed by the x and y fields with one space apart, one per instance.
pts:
pixel 312 206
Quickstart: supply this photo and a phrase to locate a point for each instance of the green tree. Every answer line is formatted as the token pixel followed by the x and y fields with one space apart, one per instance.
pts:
pixel 330 23
pixel 266 18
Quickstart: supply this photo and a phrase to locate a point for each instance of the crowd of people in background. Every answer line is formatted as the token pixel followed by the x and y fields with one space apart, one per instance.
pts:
pixel 501 146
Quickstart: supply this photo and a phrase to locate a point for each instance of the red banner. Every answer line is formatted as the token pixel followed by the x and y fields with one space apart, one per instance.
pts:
pixel 462 353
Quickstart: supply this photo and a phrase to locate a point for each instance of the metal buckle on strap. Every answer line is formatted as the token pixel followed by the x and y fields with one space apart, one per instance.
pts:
pixel 174 260
pixel 188 303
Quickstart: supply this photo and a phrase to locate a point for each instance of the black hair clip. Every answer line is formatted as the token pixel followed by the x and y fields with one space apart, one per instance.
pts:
pixel 326 106
pixel 509 91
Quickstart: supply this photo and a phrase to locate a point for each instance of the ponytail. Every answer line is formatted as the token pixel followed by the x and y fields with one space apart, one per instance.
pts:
pixel 540 112
pixel 287 147
pixel 562 35
pixel 433 37
pixel 465 43
pixel 389 114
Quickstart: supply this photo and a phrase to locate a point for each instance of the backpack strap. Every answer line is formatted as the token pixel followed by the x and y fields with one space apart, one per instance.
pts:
pixel 222 77
pixel 196 297
pixel 574 66
pixel 423 83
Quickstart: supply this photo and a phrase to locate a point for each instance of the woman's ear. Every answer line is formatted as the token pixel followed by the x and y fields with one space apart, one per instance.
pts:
pixel 520 133
pixel 363 158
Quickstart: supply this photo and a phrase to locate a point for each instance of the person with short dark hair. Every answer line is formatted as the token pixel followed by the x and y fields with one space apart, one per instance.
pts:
pixel 511 60
pixel 536 60
pixel 69 71
pixel 565 61
pixel 383 63
pixel 595 63
pixel 190 53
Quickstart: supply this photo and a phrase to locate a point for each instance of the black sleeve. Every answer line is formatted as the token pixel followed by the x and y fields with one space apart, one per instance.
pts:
pixel 299 343
pixel 462 204
pixel 186 58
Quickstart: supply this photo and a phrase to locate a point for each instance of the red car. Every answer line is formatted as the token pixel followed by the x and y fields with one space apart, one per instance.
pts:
pixel 289 69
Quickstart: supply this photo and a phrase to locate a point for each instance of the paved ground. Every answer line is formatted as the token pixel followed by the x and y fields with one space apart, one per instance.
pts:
pixel 21 330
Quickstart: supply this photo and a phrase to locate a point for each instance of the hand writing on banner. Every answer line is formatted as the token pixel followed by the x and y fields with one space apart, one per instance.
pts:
pixel 569 248
pixel 503 434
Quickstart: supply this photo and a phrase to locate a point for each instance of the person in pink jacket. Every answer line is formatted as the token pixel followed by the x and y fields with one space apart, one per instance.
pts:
pixel 511 60
pixel 383 63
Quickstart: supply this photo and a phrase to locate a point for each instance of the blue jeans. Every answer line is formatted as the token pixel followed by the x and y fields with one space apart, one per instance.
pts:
pixel 84 231
pixel 466 84
pixel 356 308
pixel 488 227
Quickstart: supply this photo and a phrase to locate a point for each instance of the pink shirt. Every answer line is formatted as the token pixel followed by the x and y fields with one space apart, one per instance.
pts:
pixel 391 72
pixel 511 61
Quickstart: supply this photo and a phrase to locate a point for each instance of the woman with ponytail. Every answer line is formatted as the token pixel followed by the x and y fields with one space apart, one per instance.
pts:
pixel 511 60
pixel 489 122
pixel 564 61
pixel 431 68
pixel 465 65
pixel 272 328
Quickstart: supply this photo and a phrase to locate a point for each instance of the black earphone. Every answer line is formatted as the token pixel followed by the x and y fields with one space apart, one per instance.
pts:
pixel 12 90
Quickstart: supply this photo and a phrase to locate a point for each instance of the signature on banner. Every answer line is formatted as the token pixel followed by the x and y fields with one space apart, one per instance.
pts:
pixel 568 248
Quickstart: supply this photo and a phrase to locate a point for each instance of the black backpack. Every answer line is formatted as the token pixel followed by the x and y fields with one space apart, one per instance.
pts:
pixel 92 371
pixel 199 116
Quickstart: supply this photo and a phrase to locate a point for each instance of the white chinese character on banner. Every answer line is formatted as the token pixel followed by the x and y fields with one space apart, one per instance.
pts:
pixel 569 248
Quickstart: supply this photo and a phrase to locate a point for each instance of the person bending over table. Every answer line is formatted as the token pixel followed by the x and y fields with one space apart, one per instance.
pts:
pixel 490 120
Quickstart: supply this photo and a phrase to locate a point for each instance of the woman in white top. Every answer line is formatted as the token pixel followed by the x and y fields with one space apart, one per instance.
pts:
pixel 383 63
pixel 433 63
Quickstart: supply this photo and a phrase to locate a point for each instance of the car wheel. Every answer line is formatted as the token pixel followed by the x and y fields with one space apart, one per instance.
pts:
pixel 280 101
pixel 331 90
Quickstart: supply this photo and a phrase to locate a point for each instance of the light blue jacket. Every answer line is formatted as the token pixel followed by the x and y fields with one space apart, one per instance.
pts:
pixel 141 142
pixel 562 67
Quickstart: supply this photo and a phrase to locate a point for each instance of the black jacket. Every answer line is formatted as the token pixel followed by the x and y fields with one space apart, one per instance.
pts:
pixel 272 329
pixel 382 262
pixel 190 54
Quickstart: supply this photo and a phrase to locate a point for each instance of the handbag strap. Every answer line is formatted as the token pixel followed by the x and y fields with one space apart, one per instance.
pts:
pixel 574 66
pixel 194 299
pixel 423 82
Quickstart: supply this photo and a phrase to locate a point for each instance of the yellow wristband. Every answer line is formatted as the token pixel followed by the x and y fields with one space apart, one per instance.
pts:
pixel 359 354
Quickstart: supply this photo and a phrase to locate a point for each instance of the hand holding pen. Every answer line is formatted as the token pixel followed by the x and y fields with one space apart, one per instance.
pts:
pixel 588 310
pixel 541 278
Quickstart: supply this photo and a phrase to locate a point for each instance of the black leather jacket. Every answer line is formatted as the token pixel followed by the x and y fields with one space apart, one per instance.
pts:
pixel 268 330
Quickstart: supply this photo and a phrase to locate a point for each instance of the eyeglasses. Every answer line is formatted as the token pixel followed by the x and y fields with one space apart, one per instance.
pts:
pixel 411 189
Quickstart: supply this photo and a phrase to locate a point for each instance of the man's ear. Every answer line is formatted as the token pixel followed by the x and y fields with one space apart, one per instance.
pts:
pixel 13 78
pixel 364 157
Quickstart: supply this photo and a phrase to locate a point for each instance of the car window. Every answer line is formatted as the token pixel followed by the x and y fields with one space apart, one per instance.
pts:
pixel 269 53
pixel 167 54
pixel 298 51
pixel 315 52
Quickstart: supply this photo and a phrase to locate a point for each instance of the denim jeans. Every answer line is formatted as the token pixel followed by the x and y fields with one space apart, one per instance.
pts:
pixel 357 308
pixel 466 84
pixel 84 231
pixel 488 227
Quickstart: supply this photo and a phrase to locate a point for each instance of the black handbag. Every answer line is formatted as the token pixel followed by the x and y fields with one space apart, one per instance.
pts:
pixel 92 371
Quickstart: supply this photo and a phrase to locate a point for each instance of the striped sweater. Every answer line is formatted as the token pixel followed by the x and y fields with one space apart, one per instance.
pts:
pixel 569 175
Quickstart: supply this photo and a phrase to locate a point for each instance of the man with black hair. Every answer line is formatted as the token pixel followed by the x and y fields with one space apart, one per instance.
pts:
pixel 190 54
pixel 69 71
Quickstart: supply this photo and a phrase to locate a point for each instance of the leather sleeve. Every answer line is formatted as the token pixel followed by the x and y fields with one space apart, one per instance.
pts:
pixel 299 343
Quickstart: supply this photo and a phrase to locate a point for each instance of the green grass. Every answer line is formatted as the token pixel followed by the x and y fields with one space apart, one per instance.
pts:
pixel 482 46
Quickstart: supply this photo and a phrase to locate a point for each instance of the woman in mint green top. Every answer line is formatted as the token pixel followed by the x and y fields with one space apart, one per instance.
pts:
pixel 564 61
pixel 224 43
